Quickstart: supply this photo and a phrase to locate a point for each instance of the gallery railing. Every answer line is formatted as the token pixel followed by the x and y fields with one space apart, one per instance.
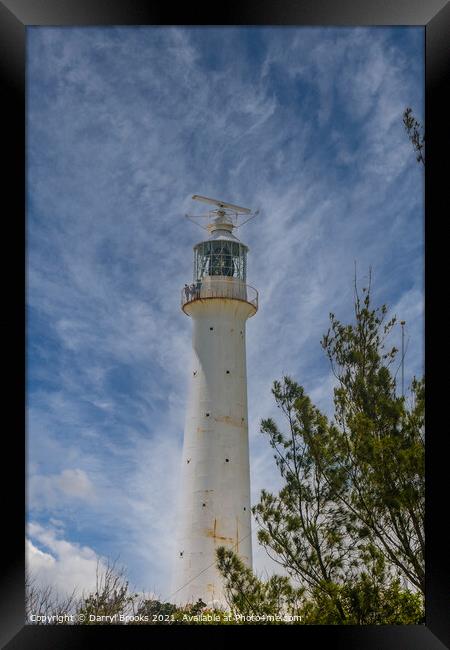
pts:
pixel 219 287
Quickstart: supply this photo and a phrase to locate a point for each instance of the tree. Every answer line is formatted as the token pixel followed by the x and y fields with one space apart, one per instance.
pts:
pixel 369 599
pixel 111 598
pixel 348 521
pixel 154 612
pixel 415 133
pixel 248 595
pixel 44 603
pixel 112 602
pixel 375 456
pixel 303 527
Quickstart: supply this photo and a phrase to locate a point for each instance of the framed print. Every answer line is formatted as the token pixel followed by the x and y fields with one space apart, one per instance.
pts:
pixel 294 136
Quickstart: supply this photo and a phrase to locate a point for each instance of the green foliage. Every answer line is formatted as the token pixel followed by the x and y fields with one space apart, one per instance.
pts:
pixel 110 599
pixel 374 597
pixel 371 598
pixel 199 614
pixel 154 612
pixel 250 596
pixel 302 527
pixel 364 603
pixel 377 449
pixel 415 133
pixel 112 603
pixel 348 521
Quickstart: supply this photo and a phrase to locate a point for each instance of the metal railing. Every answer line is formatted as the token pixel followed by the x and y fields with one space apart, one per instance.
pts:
pixel 219 287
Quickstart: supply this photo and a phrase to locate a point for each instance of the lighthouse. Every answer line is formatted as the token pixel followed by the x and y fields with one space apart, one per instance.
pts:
pixel 215 474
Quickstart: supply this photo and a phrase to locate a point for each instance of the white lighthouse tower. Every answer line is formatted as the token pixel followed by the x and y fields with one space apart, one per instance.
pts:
pixel 215 482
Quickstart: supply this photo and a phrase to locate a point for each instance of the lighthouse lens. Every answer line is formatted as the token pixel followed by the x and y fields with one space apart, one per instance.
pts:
pixel 220 258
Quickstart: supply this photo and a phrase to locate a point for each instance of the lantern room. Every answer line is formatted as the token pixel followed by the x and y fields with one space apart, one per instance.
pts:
pixel 220 262
pixel 222 255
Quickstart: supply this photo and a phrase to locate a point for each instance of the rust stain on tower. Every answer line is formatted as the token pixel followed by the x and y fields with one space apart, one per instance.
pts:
pixel 212 532
pixel 227 419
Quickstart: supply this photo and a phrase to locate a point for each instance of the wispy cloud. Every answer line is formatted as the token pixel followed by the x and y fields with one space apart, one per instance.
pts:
pixel 124 125
pixel 53 489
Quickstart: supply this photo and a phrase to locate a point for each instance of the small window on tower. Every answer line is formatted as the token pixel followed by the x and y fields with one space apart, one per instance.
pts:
pixel 207 415
pixel 211 328
pixel 228 372
pixel 181 553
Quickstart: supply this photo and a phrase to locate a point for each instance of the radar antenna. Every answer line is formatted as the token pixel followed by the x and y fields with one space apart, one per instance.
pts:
pixel 226 213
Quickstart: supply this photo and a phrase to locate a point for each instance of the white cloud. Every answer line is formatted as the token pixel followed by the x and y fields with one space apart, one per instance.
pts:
pixel 61 564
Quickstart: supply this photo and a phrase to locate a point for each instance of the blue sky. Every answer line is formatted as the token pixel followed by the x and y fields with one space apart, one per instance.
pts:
pixel 124 125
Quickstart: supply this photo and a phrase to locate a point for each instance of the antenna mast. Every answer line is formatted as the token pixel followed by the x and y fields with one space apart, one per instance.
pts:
pixel 226 213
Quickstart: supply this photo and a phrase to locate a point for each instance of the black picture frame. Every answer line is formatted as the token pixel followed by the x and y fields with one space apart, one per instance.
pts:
pixel 434 16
